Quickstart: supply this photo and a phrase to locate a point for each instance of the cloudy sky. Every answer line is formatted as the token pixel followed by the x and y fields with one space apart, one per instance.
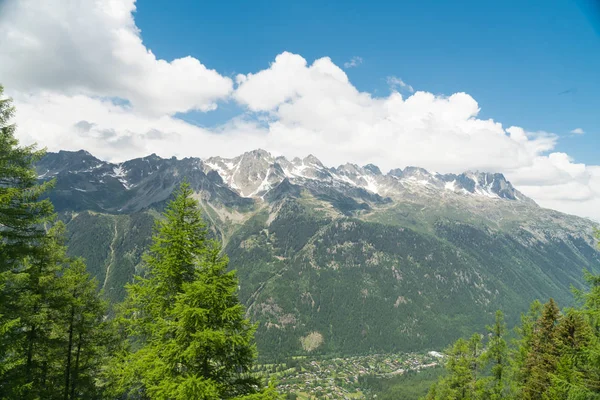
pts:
pixel 511 89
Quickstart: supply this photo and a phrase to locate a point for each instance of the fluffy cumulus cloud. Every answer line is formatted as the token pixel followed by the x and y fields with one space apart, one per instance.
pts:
pixel 118 102
pixel 93 47
pixel 577 131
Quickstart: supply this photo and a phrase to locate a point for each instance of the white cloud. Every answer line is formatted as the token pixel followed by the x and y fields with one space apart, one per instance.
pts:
pixel 117 133
pixel 64 94
pixel 354 62
pixel 94 48
pixel 577 131
pixel 395 83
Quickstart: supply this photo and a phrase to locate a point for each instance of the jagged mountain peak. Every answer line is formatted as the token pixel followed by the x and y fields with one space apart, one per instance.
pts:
pixel 255 173
pixel 349 168
pixel 312 160
pixel 69 162
pixel 397 172
pixel 374 169
pixel 416 172
pixel 75 155
pixel 258 153
pixel 153 157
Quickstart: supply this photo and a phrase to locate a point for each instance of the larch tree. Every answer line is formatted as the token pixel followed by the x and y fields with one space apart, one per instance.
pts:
pixel 186 334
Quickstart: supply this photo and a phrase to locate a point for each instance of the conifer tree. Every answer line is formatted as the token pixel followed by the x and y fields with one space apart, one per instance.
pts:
pixel 22 211
pixel 496 355
pixel 39 287
pixel 86 333
pixel 541 356
pixel 475 353
pixel 458 384
pixel 522 346
pixel 186 334
pixel 60 340
pixel 22 214
pixel 571 379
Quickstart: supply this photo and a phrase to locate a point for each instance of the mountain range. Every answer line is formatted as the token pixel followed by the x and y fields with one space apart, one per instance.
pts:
pixel 342 260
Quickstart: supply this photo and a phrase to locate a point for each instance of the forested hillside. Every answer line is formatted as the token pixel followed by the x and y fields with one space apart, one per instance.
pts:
pixel 412 268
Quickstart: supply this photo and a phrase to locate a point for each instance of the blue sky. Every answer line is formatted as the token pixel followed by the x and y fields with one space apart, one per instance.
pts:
pixel 534 64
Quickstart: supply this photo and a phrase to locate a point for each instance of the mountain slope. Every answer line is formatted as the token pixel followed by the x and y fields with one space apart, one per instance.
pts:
pixel 338 260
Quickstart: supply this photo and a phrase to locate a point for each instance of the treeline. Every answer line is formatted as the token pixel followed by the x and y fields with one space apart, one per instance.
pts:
pixel 180 333
pixel 555 355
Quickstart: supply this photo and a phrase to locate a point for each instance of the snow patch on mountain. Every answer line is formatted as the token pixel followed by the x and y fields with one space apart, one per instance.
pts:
pixel 121 174
pixel 255 173
pixel 450 186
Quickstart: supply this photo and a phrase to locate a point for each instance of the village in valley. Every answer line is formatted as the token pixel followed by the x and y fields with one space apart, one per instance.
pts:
pixel 342 378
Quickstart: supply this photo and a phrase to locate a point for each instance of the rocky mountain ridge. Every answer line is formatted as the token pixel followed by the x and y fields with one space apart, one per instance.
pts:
pixel 256 174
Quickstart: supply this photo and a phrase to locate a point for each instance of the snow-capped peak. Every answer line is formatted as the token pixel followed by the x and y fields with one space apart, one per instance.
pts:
pixel 254 173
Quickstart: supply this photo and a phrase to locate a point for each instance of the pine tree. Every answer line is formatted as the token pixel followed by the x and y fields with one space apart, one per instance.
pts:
pixel 35 298
pixel 475 353
pixel 522 346
pixel 187 337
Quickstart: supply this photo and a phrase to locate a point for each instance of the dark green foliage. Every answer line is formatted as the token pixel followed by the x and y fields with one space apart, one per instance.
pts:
pixel 462 366
pixel 58 346
pixel 22 213
pixel 85 331
pixel 52 332
pixel 36 299
pixel 186 334
pixel 542 355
